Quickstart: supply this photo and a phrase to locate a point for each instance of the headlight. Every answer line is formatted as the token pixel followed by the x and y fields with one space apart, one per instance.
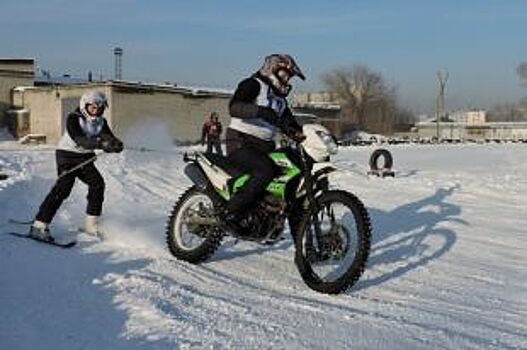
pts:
pixel 329 142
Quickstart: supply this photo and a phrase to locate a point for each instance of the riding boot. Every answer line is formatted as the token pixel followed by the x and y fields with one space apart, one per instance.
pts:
pixel 91 226
pixel 39 230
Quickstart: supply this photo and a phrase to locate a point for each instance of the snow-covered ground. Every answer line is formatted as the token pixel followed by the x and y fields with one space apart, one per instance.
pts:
pixel 448 267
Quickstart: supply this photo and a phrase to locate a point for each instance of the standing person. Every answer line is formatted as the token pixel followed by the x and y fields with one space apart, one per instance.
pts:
pixel 211 133
pixel 259 109
pixel 86 131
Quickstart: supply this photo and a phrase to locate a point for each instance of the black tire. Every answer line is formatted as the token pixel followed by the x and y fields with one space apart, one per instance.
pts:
pixel 205 249
pixel 376 155
pixel 361 250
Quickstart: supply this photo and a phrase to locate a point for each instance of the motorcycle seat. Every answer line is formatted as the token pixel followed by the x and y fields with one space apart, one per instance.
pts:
pixel 224 163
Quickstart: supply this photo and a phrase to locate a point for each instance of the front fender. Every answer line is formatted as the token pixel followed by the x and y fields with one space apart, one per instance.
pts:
pixel 320 173
pixel 322 170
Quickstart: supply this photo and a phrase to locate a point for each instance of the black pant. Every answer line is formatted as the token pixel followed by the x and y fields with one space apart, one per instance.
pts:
pixel 216 143
pixel 252 154
pixel 249 154
pixel 62 189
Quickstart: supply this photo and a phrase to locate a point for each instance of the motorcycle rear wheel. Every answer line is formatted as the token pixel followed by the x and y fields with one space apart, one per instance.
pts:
pixel 190 233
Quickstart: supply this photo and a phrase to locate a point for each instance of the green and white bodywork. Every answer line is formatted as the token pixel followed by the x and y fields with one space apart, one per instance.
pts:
pixel 226 186
pixel 318 145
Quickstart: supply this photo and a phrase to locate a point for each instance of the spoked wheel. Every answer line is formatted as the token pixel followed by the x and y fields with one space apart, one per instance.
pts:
pixel 192 232
pixel 333 243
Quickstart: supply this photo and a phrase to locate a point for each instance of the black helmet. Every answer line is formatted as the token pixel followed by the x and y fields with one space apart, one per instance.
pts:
pixel 278 69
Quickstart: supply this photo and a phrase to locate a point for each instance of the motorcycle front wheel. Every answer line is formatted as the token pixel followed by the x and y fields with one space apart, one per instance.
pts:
pixel 333 242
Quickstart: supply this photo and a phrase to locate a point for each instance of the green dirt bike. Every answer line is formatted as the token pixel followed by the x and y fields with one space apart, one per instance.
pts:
pixel 331 228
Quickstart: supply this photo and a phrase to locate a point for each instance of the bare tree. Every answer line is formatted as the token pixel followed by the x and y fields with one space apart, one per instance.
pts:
pixel 365 97
pixel 507 112
pixel 521 70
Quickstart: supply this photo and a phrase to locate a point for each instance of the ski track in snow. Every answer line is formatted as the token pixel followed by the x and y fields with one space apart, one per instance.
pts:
pixel 446 271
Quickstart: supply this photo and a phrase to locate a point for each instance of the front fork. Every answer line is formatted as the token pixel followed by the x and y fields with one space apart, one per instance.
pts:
pixel 310 197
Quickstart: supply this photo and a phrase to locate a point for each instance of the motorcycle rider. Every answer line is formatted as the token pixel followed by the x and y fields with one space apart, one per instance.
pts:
pixel 259 109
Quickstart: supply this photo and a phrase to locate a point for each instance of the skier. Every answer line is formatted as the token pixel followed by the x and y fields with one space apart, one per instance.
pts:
pixel 258 109
pixel 86 131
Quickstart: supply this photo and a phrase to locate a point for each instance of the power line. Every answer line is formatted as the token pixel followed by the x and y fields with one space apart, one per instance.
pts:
pixel 442 78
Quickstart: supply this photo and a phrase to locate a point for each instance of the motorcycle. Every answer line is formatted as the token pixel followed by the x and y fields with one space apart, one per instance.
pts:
pixel 330 228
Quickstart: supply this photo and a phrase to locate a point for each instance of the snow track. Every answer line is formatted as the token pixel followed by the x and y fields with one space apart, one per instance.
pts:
pixel 447 269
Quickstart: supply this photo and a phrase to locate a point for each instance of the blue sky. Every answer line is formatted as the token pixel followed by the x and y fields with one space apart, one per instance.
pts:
pixel 216 43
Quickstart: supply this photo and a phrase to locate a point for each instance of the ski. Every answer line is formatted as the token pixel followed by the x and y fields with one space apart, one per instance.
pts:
pixel 53 243
pixel 20 222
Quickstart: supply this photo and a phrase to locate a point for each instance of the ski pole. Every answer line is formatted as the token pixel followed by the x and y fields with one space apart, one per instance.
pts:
pixel 144 149
pixel 344 166
pixel 78 166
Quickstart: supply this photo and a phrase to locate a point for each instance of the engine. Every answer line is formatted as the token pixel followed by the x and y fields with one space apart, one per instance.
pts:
pixel 266 219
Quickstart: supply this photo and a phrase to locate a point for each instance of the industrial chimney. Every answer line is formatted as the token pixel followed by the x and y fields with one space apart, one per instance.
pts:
pixel 118 53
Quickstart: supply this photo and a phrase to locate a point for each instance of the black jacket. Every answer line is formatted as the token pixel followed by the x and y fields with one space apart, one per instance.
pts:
pixel 77 143
pixel 243 105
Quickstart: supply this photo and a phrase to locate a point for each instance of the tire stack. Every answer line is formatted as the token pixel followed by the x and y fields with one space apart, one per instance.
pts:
pixel 385 169
pixel 3 176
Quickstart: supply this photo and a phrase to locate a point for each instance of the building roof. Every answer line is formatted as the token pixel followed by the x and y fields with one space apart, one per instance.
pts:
pixel 17 60
pixel 41 80
pixel 134 86
pixel 17 67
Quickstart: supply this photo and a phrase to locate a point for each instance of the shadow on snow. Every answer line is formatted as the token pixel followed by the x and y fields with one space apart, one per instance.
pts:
pixel 50 296
pixel 401 237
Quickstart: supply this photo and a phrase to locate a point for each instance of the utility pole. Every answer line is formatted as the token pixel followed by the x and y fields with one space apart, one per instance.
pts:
pixel 442 78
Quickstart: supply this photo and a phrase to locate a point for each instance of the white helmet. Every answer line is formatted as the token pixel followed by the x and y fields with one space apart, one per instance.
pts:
pixel 96 98
pixel 319 142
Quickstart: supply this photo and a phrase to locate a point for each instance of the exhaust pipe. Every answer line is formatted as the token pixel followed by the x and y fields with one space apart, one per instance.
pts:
pixel 202 221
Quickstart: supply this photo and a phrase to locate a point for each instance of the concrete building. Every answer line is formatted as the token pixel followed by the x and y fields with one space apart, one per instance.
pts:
pixel 181 110
pixel 13 72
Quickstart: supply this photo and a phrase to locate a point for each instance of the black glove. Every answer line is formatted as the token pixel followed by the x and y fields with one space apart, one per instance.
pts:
pixel 107 146
pixel 297 135
pixel 118 146
pixel 111 146
pixel 294 133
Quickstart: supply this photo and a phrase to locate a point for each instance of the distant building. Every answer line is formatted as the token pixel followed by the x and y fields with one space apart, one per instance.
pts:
pixel 322 105
pixel 473 117
pixel 313 98
pixel 473 131
pixel 47 79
